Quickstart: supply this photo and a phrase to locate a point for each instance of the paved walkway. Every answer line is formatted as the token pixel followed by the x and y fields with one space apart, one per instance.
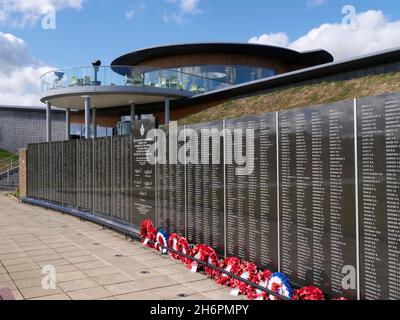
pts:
pixel 91 263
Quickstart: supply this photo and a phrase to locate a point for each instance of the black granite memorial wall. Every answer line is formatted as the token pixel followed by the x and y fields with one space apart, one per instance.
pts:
pixel 379 194
pixel 205 185
pixel 319 200
pixel 251 199
pixel 317 195
pixel 102 177
pixel 143 176
pixel 69 173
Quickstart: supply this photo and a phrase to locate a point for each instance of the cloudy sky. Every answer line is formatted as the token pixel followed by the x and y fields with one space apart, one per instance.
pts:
pixel 89 29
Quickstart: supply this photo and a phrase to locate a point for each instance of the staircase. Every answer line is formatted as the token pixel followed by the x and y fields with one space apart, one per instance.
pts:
pixel 9 173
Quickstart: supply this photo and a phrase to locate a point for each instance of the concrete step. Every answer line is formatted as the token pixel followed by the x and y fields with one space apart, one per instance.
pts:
pixel 12 178
pixel 8 188
pixel 9 185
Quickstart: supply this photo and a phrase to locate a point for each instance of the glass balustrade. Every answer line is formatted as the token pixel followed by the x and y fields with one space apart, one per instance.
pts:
pixel 128 76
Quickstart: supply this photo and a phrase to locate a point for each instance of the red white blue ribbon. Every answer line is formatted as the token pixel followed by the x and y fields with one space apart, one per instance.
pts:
pixel 162 241
pixel 280 284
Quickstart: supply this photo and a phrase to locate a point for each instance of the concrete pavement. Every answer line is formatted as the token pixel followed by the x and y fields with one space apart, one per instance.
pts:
pixel 90 263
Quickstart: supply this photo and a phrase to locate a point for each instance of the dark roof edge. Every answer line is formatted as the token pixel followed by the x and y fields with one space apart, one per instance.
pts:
pixel 310 73
pixel 312 57
pixel 30 108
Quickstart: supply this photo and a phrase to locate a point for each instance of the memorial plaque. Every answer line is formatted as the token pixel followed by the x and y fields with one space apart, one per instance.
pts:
pixel 171 183
pixel 32 170
pixel 163 184
pixel 379 193
pixel 194 186
pixel 317 196
pixel 85 175
pixel 192 225
pixel 251 197
pixel 143 189
pixel 70 173
pixel 180 192
pixel 121 178
pixel 102 177
pixel 44 169
pixel 55 172
pixel 205 185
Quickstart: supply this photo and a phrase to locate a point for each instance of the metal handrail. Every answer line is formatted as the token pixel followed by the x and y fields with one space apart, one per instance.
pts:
pixel 125 76
pixel 6 170
pixel 227 273
pixel 9 158
pixel 145 69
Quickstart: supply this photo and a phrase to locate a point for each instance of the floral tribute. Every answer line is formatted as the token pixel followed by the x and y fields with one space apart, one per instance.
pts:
pixel 173 242
pixel 199 252
pixel 148 233
pixel 247 271
pixel 274 282
pixel 231 265
pixel 261 278
pixel 214 261
pixel 280 284
pixel 162 241
pixel 308 293
pixel 184 247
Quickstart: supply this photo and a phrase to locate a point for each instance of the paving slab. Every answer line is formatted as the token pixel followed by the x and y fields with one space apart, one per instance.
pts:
pixel 75 285
pixel 91 263
pixel 38 292
pixel 109 279
pixel 90 294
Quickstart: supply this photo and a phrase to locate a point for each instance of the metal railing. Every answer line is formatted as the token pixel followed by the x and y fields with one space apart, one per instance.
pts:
pixel 8 166
pixel 128 76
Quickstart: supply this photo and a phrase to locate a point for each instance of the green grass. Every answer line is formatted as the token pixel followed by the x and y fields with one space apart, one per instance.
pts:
pixel 304 95
pixel 4 155
pixel 16 193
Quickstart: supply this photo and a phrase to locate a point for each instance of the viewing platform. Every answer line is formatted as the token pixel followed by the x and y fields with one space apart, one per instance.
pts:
pixel 114 86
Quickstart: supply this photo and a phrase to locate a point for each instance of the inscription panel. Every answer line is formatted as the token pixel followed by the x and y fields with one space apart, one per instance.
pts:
pixel 317 191
pixel 379 194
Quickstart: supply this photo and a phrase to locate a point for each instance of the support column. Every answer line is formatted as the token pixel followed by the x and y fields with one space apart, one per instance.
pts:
pixel 87 116
pixel 167 110
pixel 94 123
pixel 67 124
pixel 48 122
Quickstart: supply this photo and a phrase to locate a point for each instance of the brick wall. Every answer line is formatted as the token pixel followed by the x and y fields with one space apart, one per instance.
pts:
pixel 18 128
pixel 22 173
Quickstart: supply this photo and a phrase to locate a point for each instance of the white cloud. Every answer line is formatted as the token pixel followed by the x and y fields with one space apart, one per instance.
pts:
pixel 181 10
pixel 374 32
pixel 316 2
pixel 20 73
pixel 130 14
pixel 279 39
pixel 21 13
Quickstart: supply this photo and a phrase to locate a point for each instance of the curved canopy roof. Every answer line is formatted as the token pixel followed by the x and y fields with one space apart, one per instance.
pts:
pixel 309 58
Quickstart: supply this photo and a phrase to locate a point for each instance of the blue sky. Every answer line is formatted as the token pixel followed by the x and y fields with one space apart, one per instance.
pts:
pixel 101 29
pixel 105 29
